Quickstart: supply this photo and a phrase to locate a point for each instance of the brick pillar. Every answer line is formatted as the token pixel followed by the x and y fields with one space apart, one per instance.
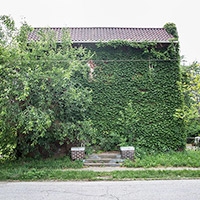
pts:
pixel 77 153
pixel 197 141
pixel 127 152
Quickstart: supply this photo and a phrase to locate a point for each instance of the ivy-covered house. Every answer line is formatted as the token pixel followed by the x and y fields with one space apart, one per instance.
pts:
pixel 134 76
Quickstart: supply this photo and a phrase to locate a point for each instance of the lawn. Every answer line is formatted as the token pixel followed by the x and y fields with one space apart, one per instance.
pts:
pixel 63 169
pixel 189 158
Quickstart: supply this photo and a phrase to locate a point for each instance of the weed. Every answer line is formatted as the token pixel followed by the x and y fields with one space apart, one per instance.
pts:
pixel 188 158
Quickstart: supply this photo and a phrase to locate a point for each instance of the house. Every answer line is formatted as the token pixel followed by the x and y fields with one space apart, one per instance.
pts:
pixel 135 74
pixel 89 36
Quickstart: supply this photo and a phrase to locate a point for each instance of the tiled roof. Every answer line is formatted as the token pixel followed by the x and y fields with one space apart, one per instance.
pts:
pixel 105 34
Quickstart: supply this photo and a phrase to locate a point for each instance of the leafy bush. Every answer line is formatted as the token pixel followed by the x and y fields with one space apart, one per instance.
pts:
pixel 43 102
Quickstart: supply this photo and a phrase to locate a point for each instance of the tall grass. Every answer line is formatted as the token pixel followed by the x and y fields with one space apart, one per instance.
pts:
pixel 50 163
pixel 188 158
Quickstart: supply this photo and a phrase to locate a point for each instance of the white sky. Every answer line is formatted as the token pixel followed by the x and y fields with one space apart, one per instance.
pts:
pixel 116 13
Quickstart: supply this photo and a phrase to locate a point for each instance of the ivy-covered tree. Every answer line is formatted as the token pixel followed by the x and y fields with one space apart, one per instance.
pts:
pixel 42 100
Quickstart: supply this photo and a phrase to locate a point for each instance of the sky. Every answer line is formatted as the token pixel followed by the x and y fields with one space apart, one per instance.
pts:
pixel 113 13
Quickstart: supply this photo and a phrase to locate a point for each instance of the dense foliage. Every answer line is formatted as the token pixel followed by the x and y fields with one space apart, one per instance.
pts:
pixel 43 103
pixel 171 28
pixel 131 98
pixel 135 96
pixel 190 85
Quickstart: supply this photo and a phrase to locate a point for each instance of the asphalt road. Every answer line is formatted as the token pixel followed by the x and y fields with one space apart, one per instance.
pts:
pixel 101 190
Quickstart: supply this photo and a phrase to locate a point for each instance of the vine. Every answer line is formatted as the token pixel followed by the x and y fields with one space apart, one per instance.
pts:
pixel 171 29
pixel 135 96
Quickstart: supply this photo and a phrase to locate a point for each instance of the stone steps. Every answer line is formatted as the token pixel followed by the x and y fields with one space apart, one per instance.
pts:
pixel 112 159
pixel 102 164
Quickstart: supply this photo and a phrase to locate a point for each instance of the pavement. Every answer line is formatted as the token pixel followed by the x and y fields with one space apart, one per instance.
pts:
pixel 110 169
pixel 101 190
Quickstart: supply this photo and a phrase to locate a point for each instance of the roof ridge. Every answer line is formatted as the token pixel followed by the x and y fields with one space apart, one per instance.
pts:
pixel 100 27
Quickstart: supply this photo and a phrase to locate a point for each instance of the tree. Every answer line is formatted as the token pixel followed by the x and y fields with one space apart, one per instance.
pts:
pixel 191 89
pixel 171 29
pixel 7 29
pixel 43 102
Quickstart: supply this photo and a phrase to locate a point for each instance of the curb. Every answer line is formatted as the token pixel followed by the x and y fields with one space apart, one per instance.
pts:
pixel 111 169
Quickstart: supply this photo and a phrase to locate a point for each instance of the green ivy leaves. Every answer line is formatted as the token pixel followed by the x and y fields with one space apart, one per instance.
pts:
pixel 135 96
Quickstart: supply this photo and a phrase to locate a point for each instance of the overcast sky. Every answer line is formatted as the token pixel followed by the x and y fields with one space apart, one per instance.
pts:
pixel 115 13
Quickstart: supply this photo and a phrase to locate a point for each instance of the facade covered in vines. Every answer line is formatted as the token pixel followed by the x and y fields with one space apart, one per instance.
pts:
pixel 133 75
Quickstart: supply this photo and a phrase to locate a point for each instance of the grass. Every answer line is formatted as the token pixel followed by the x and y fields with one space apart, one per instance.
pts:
pixel 45 164
pixel 27 169
pixel 51 163
pixel 189 158
pixel 64 169
pixel 66 175
pixel 157 174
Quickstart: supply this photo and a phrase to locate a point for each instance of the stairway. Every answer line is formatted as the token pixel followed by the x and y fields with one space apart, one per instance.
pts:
pixel 106 159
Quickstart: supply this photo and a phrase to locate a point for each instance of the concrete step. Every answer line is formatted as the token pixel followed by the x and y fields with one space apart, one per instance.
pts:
pixel 109 155
pixel 104 159
pixel 106 155
pixel 102 164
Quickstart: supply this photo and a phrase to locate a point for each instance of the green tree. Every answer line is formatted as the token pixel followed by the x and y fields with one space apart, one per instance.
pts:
pixel 171 29
pixel 191 89
pixel 43 102
pixel 7 29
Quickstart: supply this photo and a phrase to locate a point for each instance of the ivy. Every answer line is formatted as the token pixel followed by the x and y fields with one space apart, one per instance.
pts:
pixel 171 29
pixel 47 99
pixel 135 96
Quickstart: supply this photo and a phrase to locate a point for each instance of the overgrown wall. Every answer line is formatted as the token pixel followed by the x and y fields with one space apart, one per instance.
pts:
pixel 135 96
